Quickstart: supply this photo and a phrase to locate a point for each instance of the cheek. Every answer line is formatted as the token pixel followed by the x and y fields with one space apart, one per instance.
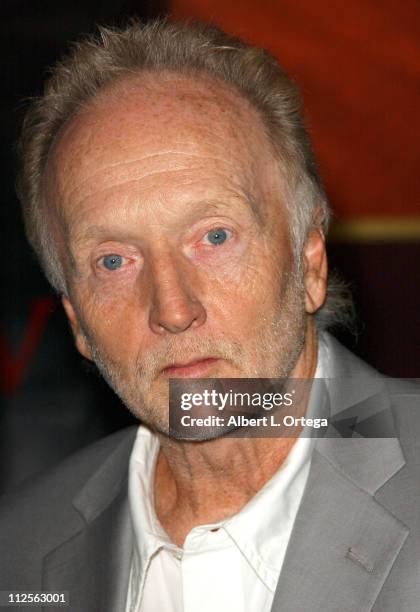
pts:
pixel 244 273
pixel 241 302
pixel 112 320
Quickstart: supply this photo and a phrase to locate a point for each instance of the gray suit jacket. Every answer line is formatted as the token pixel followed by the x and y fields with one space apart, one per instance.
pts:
pixel 355 545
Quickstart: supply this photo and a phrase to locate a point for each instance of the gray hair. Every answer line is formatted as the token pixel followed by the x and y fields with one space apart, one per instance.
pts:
pixel 187 49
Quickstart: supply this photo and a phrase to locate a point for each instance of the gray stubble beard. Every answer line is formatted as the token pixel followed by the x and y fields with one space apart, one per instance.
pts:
pixel 282 336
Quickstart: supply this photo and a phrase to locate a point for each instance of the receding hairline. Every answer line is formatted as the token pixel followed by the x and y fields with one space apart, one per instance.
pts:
pixel 199 87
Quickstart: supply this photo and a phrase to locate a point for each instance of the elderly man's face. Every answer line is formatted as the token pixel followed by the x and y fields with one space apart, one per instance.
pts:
pixel 175 241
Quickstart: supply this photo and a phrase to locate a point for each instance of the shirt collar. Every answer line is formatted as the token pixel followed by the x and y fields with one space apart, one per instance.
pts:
pixel 149 533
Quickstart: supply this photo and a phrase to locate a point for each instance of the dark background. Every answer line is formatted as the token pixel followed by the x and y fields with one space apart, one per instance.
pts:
pixel 53 401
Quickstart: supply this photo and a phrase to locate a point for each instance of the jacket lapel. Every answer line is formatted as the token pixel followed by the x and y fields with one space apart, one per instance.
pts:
pixel 93 563
pixel 344 542
pixel 342 546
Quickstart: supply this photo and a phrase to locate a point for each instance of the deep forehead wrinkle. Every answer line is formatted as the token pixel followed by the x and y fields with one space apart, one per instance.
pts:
pixel 142 175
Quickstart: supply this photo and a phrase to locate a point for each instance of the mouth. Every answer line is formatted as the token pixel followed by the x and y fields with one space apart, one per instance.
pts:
pixel 193 369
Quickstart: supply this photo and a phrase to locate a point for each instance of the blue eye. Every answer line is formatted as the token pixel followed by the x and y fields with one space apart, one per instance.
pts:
pixel 217 236
pixel 112 262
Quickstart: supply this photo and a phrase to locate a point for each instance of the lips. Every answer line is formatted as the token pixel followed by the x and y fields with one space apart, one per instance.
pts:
pixel 192 369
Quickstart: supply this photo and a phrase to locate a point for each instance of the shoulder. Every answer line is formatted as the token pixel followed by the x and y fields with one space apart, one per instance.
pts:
pixel 362 381
pixel 64 480
pixel 405 401
pixel 37 514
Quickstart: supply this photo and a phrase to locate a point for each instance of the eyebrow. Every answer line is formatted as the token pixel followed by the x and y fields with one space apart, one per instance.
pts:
pixel 244 199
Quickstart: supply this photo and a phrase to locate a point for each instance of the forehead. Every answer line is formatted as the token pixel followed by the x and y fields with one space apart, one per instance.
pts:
pixel 150 124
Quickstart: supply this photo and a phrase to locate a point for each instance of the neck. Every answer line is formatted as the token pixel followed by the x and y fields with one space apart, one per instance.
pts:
pixel 205 482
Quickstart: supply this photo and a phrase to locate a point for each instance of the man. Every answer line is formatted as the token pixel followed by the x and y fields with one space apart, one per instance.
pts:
pixel 169 189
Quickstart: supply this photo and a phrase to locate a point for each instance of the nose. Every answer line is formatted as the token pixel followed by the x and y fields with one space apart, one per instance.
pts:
pixel 174 306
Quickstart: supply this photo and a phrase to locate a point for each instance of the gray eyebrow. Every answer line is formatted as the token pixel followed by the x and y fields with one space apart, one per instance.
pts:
pixel 245 198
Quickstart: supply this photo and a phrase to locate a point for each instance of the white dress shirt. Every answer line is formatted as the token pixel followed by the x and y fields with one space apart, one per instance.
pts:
pixel 231 566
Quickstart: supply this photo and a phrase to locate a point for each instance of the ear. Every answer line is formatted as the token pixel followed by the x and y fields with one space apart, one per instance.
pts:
pixel 315 271
pixel 79 337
